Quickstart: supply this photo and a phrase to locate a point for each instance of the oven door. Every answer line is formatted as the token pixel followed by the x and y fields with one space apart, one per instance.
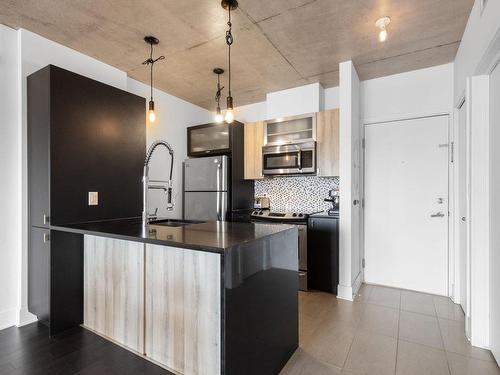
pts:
pixel 289 159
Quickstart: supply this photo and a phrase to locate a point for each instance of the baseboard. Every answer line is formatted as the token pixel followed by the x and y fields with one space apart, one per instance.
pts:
pixel 25 317
pixel 344 292
pixel 8 318
pixel 357 284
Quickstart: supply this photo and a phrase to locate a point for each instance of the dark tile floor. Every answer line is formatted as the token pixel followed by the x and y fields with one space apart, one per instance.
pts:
pixel 29 351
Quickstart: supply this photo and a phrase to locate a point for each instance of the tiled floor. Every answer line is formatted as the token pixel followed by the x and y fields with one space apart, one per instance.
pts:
pixel 385 331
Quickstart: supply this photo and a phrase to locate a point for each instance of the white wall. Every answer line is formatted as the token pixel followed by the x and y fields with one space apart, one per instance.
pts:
pixel 287 103
pixel 412 94
pixel 480 32
pixel 174 115
pixel 350 234
pixel 251 112
pixel 295 101
pixel 10 170
pixel 331 98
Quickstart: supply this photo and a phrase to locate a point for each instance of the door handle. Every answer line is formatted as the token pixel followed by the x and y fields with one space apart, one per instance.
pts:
pixel 46 237
pixel 439 214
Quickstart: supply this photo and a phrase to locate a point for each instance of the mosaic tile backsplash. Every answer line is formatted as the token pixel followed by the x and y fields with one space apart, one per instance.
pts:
pixel 299 194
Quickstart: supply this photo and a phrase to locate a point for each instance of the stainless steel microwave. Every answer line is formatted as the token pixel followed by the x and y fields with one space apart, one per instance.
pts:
pixel 290 159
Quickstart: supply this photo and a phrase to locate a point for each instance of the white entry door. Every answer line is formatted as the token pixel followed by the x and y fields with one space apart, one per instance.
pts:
pixel 406 204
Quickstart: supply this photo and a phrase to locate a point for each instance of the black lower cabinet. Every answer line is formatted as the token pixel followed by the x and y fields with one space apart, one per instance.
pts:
pixel 39 274
pixel 55 282
pixel 323 253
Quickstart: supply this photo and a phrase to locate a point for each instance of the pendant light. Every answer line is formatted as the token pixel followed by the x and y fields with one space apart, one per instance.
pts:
pixel 152 41
pixel 218 115
pixel 229 5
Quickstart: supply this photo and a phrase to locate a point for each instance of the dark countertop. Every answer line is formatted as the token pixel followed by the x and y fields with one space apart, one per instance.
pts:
pixel 325 215
pixel 213 236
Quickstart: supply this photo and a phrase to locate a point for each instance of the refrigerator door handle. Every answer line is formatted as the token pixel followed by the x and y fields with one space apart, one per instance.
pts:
pixel 219 199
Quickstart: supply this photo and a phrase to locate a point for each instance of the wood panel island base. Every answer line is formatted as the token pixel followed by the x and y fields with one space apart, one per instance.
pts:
pixel 211 298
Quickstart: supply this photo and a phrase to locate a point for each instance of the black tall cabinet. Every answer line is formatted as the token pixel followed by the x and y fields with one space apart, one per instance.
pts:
pixel 78 131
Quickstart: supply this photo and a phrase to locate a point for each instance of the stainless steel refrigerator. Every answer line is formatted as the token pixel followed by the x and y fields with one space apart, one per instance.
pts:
pixel 207 188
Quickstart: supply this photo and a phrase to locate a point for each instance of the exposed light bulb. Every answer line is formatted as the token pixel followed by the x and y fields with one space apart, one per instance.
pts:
pixel 229 115
pixel 219 118
pixel 152 116
pixel 382 35
pixel 151 113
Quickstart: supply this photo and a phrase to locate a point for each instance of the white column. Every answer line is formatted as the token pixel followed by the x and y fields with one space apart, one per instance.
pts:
pixel 350 182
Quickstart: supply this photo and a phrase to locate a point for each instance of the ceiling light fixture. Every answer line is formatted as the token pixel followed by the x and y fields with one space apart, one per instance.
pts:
pixel 152 41
pixel 229 5
pixel 218 115
pixel 382 24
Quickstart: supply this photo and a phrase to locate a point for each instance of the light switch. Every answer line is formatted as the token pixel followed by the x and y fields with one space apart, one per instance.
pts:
pixel 93 198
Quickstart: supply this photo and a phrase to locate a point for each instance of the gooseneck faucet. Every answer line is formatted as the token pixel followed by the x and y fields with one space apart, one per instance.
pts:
pixel 148 184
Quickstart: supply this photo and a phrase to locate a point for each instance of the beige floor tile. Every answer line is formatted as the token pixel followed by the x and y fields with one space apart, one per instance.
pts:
pixel 344 312
pixel 417 302
pixel 303 363
pixel 380 319
pixel 308 325
pixel 314 303
pixel 330 343
pixel 415 359
pixel 383 296
pixel 460 365
pixel 372 354
pixel 447 309
pixel 453 332
pixel 420 329
pixel 363 293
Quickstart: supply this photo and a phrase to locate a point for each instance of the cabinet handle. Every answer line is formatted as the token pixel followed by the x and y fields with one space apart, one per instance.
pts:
pixel 46 219
pixel 46 237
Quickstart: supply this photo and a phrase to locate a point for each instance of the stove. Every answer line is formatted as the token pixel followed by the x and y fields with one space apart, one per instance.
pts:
pixel 299 220
pixel 280 217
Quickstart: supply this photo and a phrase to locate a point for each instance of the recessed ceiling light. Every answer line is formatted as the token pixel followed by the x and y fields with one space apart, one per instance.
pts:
pixel 382 24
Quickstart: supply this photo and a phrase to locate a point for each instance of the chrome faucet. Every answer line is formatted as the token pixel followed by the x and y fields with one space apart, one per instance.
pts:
pixel 148 184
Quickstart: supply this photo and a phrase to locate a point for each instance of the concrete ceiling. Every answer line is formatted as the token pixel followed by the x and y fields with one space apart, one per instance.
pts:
pixel 278 44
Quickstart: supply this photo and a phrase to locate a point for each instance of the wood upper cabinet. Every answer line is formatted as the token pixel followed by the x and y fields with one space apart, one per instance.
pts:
pixel 254 139
pixel 327 138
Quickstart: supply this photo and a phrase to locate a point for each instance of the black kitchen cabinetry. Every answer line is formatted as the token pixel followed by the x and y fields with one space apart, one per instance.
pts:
pixel 79 131
pixel 323 253
pixel 214 139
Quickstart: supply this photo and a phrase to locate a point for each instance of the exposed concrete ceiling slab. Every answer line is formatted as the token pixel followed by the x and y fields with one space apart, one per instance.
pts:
pixel 278 44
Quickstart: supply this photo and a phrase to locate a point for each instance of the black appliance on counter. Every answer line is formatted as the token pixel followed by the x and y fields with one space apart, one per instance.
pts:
pixel 323 251
pixel 299 219
pixel 214 184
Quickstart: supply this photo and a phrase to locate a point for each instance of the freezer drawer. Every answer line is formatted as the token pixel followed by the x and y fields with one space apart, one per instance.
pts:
pixel 205 205
pixel 206 174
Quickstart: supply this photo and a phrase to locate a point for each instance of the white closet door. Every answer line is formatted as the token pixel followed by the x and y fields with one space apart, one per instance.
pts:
pixel 406 207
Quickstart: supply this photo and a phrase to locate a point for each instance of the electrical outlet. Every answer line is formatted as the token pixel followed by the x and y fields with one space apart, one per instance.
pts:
pixel 93 198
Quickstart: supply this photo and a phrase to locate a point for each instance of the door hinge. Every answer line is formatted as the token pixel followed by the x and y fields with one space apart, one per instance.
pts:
pixel 452 152
pixel 363 143
pixel 363 262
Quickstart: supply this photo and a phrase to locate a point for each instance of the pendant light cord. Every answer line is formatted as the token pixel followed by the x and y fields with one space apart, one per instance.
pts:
pixel 229 42
pixel 151 62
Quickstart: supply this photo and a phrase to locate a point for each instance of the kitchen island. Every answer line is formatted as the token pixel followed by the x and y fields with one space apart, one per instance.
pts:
pixel 206 298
